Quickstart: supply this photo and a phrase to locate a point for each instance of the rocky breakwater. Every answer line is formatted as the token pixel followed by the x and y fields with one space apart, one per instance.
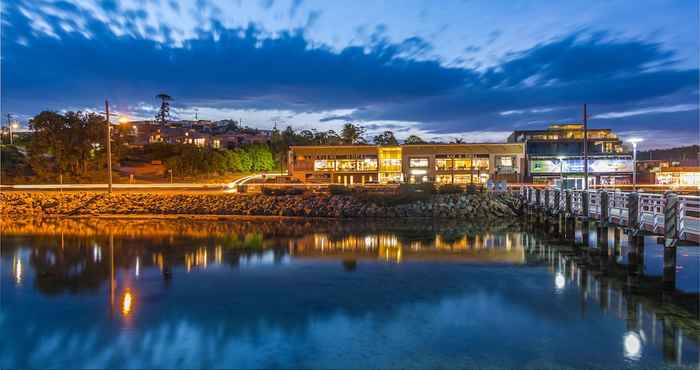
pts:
pixel 483 206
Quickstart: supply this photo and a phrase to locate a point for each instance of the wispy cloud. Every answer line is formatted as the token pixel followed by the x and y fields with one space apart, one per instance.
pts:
pixel 650 110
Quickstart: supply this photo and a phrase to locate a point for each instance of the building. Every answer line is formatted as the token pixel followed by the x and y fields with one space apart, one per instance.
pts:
pixel 439 163
pixel 556 154
pixel 678 176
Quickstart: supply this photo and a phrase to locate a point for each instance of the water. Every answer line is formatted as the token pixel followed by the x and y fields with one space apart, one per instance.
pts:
pixel 94 293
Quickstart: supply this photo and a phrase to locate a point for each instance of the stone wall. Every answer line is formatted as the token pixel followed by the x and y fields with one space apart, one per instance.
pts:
pixel 483 206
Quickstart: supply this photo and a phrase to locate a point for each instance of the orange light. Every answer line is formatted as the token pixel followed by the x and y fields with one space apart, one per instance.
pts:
pixel 123 119
pixel 127 302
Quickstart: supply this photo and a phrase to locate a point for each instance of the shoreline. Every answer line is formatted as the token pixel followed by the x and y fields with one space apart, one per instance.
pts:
pixel 470 206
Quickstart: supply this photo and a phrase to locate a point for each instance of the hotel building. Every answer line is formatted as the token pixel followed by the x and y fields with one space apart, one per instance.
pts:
pixel 420 163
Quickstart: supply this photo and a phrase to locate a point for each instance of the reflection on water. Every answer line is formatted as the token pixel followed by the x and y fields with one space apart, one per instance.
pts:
pixel 188 293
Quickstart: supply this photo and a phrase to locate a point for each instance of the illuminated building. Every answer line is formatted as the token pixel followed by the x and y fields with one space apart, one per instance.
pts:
pixel 608 162
pixel 678 176
pixel 439 163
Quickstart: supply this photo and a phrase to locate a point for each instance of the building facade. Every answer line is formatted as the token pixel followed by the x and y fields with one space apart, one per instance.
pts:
pixel 438 163
pixel 555 155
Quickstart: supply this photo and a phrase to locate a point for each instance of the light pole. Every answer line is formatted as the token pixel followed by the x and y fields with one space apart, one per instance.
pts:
pixel 109 148
pixel 634 141
pixel 561 172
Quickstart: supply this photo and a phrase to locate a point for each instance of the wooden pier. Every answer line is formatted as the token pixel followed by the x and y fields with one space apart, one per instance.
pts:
pixel 674 218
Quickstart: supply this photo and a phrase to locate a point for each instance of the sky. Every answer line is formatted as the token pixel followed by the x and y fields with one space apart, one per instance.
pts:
pixel 469 69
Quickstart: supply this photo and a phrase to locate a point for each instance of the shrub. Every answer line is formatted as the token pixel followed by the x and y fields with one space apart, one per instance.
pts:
pixel 266 190
pixel 389 199
pixel 471 189
pixel 426 188
pixel 338 189
pixel 450 189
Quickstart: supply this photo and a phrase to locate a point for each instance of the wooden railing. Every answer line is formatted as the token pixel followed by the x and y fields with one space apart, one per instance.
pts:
pixel 676 217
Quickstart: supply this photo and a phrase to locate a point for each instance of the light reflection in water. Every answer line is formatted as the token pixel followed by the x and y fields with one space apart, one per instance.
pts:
pixel 633 345
pixel 380 245
pixel 127 302
pixel 559 281
pixel 17 269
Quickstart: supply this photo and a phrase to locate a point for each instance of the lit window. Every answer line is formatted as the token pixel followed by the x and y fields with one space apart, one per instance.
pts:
pixel 367 164
pixel 463 164
pixel 463 179
pixel 347 165
pixel 443 164
pixel 418 162
pixel 506 161
pixel 324 165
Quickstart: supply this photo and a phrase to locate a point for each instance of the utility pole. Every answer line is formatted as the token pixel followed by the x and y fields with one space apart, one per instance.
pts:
pixel 109 148
pixel 585 148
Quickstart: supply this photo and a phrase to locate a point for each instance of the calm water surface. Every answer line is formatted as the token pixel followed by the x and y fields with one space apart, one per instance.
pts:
pixel 270 294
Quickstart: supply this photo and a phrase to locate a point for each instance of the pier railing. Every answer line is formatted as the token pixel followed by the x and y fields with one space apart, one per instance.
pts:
pixel 675 217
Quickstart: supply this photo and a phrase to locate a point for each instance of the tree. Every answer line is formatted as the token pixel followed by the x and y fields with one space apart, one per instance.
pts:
pixel 386 138
pixel 458 140
pixel 164 112
pixel 352 134
pixel 71 144
pixel 414 139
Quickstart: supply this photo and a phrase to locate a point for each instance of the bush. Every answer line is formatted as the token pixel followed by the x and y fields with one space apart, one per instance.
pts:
pixel 338 189
pixel 388 199
pixel 266 190
pixel 471 189
pixel 426 188
pixel 450 189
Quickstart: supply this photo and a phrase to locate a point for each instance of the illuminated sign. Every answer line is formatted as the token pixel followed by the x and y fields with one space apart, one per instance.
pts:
pixel 576 165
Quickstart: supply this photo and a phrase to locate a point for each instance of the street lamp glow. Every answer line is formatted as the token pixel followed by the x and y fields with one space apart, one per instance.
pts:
pixel 123 119
pixel 635 140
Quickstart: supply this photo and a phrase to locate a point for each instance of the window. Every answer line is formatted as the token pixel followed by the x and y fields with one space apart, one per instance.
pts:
pixel 367 164
pixel 481 163
pixel 347 165
pixel 505 161
pixel 463 179
pixel 418 172
pixel 324 165
pixel 443 164
pixel 463 164
pixel 390 159
pixel 418 162
pixel 443 179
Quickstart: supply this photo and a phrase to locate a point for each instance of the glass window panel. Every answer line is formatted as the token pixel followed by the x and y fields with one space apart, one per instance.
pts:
pixel 347 165
pixel 443 164
pixel 418 162
pixel 324 165
pixel 443 179
pixel 367 164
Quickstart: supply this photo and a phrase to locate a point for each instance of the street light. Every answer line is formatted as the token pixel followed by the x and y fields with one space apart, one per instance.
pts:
pixel 634 141
pixel 561 171
pixel 13 126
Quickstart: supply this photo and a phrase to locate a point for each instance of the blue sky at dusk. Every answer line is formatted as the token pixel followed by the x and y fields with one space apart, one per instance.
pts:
pixel 471 69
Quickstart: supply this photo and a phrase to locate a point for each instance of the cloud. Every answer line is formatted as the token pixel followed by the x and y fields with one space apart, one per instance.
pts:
pixel 650 110
pixel 68 57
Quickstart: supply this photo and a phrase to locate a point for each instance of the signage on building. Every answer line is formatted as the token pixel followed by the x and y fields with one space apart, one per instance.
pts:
pixel 576 165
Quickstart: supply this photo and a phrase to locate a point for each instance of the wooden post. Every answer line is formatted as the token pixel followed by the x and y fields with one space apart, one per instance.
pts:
pixel 633 210
pixel 604 200
pixel 585 203
pixel 671 206
pixel 670 240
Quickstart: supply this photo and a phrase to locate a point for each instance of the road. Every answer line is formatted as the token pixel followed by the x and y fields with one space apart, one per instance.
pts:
pixel 229 186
